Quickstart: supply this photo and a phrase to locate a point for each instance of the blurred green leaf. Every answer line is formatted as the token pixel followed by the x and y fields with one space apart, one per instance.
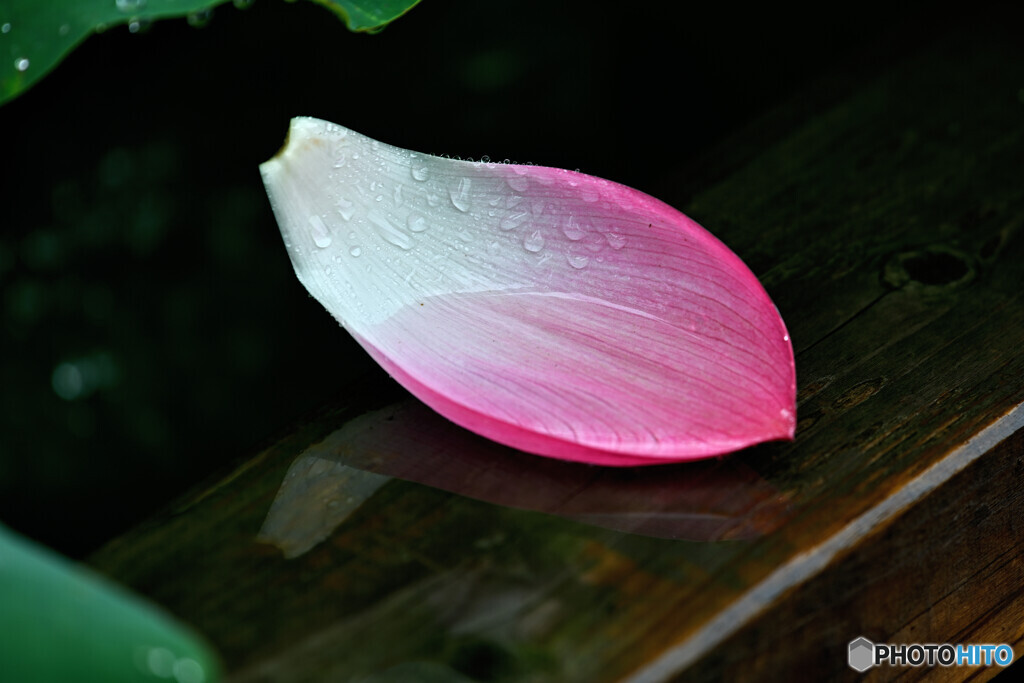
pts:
pixel 36 34
pixel 64 623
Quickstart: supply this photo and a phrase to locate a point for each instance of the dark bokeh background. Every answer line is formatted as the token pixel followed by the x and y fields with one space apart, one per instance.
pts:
pixel 150 326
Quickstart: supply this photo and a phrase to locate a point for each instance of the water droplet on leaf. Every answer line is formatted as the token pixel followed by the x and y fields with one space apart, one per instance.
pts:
pixel 200 19
pixel 129 5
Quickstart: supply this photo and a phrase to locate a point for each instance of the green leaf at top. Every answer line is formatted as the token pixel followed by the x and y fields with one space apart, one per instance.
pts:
pixel 368 15
pixel 36 34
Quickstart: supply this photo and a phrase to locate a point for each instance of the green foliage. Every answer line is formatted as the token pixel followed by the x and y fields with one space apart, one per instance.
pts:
pixel 36 35
pixel 63 623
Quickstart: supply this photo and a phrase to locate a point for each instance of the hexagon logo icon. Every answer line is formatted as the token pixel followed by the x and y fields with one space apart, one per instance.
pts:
pixel 862 654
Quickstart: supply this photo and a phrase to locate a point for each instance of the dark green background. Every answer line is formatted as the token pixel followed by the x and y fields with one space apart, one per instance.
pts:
pixel 138 250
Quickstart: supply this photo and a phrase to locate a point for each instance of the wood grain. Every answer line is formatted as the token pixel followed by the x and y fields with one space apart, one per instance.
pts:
pixel 887 228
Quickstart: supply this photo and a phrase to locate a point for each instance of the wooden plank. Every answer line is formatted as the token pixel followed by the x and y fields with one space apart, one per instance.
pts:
pixel 887 229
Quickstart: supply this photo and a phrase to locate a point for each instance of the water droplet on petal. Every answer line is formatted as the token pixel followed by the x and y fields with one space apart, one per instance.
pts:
pixel 419 172
pixel 572 229
pixel 513 220
pixel 578 261
pixel 616 241
pixel 355 251
pixel 346 208
pixel 398 195
pixel 416 223
pixel 321 235
pixel 534 242
pixel 589 194
pixel 518 183
pixel 433 199
pixel 389 231
pixel 460 195
pixel 21 64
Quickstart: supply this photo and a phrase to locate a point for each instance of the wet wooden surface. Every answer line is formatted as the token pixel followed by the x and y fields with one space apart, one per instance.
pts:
pixel 377 543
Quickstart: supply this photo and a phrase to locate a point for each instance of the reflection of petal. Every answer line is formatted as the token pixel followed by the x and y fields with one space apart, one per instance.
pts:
pixel 317 495
pixel 458 602
pixel 548 310
pixel 420 672
pixel 702 501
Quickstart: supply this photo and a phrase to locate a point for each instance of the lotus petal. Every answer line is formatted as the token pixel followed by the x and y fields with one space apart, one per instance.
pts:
pixel 548 310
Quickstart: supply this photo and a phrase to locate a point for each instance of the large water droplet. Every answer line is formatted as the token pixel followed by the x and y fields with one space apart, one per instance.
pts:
pixel 578 261
pixel 460 195
pixel 616 241
pixel 321 235
pixel 346 208
pixel 416 223
pixel 419 173
pixel 389 231
pixel 21 64
pixel 188 670
pixel 518 183
pixel 355 251
pixel 534 242
pixel 129 5
pixel 572 229
pixel 6 27
pixel 200 18
pixel 513 220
